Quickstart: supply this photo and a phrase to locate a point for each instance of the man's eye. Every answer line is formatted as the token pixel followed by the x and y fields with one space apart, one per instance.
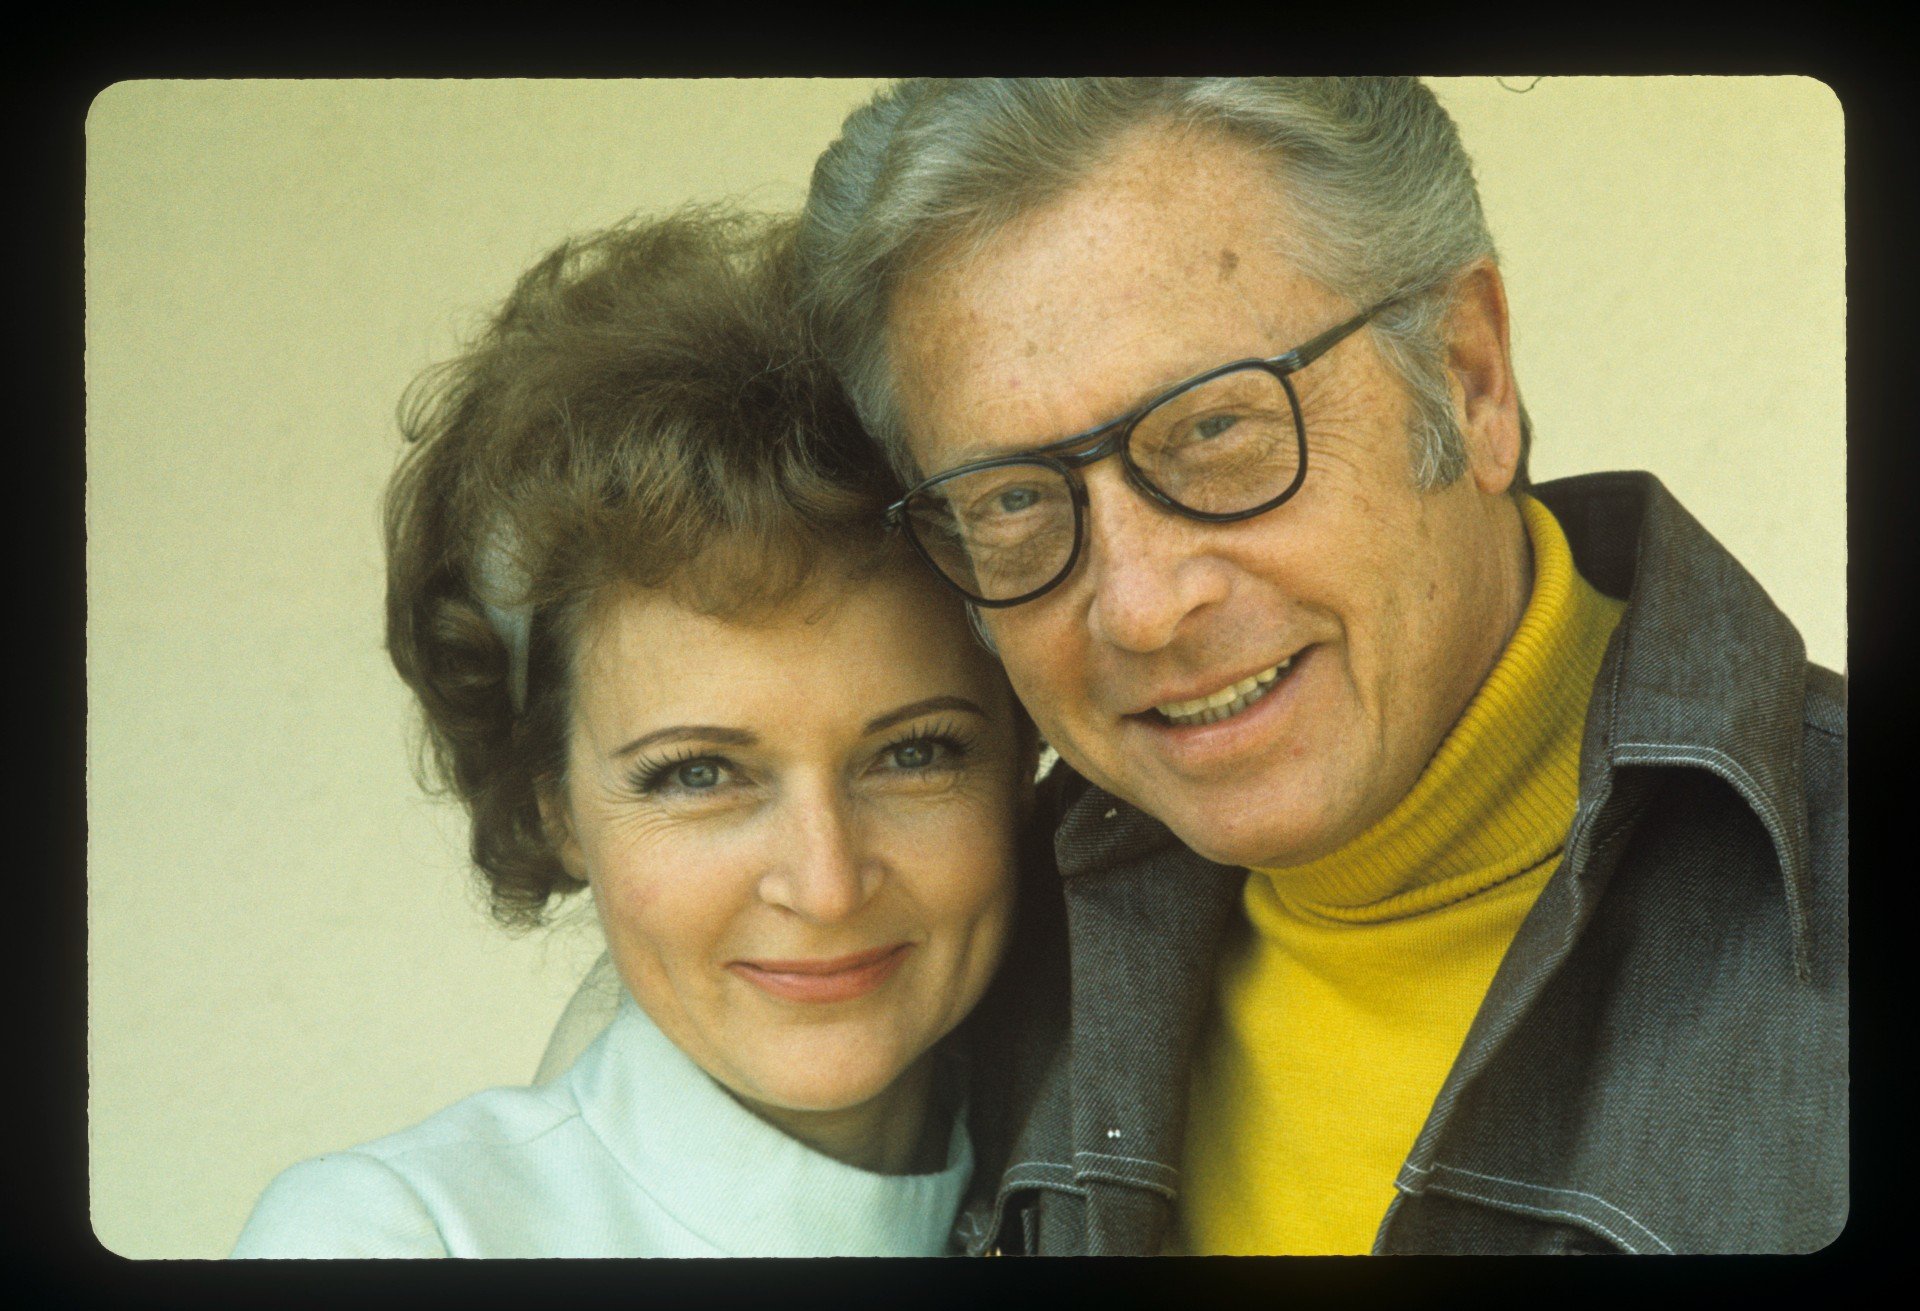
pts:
pixel 1212 426
pixel 1003 503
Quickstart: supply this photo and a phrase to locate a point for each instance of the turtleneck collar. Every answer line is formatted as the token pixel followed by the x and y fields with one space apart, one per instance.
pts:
pixel 1497 797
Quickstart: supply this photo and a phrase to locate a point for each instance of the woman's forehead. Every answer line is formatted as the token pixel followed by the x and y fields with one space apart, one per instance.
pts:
pixel 840 643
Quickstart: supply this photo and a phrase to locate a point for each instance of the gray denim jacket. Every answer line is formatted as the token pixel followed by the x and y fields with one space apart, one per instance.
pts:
pixel 1660 1064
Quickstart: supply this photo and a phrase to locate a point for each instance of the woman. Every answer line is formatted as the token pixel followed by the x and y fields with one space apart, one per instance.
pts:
pixel 664 653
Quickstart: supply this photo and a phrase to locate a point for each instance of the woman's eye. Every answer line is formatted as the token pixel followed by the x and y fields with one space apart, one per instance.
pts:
pixel 698 774
pixel 914 755
pixel 695 774
pixel 932 754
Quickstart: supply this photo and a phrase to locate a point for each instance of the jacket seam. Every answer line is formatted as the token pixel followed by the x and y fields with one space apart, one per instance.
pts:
pixel 1134 1160
pixel 1125 1179
pixel 1542 1212
pixel 976 1230
pixel 1562 1192
pixel 1568 933
pixel 1042 1170
pixel 1062 1178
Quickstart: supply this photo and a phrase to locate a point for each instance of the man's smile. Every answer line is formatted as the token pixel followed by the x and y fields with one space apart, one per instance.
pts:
pixel 1224 731
pixel 1225 702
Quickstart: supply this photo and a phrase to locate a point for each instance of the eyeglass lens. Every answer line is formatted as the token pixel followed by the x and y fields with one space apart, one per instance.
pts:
pixel 1220 447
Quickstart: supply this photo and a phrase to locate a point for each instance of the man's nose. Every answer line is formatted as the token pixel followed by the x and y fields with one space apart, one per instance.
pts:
pixel 821 868
pixel 1147 566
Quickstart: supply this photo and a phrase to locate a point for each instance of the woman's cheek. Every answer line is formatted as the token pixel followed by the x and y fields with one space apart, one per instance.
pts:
pixel 971 847
pixel 668 869
pixel 959 816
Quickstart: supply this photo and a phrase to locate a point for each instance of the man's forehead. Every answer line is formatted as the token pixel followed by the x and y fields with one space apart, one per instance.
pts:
pixel 976 377
pixel 1163 262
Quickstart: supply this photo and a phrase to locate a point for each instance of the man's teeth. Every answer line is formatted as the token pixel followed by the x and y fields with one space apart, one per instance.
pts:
pixel 1227 701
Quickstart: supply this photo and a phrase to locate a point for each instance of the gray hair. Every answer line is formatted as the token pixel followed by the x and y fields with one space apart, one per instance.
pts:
pixel 1372 175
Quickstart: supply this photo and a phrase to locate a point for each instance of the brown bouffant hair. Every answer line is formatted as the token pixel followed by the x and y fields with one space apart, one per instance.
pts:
pixel 643 410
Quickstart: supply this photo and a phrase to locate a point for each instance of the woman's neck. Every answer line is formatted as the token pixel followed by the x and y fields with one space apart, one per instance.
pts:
pixel 895 1132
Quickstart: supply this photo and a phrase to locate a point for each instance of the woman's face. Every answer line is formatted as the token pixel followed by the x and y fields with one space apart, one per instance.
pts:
pixel 799 832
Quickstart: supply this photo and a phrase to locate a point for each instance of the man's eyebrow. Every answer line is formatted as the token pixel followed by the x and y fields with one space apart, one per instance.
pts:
pixel 914 709
pixel 981 452
pixel 726 737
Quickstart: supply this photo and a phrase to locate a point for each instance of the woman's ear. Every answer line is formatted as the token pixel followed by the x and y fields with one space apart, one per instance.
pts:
pixel 557 820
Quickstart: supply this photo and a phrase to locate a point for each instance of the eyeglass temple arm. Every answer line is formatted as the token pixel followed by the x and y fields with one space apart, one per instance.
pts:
pixel 1307 352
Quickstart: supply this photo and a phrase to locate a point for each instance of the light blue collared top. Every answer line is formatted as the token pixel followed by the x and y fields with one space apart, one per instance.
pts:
pixel 635 1151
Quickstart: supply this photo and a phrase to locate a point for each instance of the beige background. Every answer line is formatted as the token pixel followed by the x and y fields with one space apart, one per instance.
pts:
pixel 286 952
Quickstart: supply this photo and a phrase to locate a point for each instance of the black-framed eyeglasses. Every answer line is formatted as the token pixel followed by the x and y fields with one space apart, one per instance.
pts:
pixel 1222 446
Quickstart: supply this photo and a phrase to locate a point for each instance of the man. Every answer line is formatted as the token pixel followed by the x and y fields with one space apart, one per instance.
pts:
pixel 1449 865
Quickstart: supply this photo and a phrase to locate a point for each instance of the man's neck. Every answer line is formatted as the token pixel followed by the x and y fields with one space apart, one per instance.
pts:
pixel 1512 583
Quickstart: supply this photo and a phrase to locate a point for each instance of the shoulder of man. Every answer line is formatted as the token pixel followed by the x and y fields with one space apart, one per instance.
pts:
pixel 1719 948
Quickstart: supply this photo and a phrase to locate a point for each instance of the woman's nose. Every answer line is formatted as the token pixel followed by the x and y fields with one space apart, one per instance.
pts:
pixel 820 868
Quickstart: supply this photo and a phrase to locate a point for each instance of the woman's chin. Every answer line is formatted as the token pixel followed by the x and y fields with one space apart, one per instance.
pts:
pixel 833 1081
pixel 829 1094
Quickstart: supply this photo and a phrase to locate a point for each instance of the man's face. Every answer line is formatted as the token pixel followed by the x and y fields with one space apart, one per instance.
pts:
pixel 1383 607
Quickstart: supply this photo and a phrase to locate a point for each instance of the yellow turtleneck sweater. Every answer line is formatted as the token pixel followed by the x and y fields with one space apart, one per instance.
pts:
pixel 1347 991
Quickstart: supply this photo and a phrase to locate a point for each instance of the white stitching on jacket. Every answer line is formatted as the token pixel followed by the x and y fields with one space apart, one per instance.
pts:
pixel 1569 1192
pixel 1743 781
pixel 1544 1211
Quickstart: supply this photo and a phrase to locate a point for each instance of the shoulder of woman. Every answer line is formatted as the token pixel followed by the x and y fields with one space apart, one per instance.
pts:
pixel 388 1197
pixel 345 1204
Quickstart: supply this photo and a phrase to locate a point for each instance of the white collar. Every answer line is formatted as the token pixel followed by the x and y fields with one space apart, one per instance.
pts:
pixel 735 1180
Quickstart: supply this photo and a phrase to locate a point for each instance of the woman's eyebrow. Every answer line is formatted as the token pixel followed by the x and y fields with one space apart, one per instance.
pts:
pixel 726 737
pixel 914 709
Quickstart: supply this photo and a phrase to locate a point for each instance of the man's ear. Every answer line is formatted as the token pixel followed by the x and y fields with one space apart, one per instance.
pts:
pixel 557 820
pixel 1480 376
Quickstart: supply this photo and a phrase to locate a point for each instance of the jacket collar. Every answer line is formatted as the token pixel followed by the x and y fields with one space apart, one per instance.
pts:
pixel 1706 672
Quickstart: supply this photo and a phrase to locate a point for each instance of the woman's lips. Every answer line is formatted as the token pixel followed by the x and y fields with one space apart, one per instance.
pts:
pixel 842 978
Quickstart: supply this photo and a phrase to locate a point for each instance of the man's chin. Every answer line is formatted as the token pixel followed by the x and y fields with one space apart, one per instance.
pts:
pixel 1235 821
pixel 1252 839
